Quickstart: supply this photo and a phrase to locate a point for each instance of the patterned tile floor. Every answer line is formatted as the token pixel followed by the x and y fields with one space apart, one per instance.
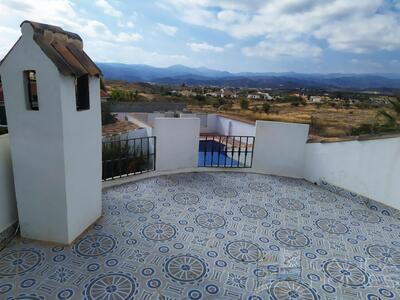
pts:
pixel 216 236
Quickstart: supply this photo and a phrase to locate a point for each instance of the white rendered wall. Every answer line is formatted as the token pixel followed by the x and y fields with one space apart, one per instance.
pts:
pixel 280 148
pixel 177 143
pixel 187 115
pixel 36 144
pixel 56 151
pixel 139 119
pixel 152 116
pixel 8 204
pixel 82 156
pixel 226 126
pixel 369 168
pixel 139 122
pixel 208 123
pixel 213 123
pixel 203 121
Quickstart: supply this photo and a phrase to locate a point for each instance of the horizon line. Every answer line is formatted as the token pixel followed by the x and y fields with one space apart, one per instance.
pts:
pixel 251 72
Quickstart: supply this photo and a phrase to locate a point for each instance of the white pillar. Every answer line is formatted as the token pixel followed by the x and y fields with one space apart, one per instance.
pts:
pixel 280 148
pixel 177 143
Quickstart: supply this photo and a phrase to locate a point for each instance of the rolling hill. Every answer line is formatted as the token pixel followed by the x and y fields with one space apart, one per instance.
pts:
pixel 178 74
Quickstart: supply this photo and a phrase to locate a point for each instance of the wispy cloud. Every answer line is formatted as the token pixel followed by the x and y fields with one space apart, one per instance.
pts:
pixel 128 24
pixel 169 30
pixel 273 49
pixel 198 47
pixel 125 53
pixel 108 9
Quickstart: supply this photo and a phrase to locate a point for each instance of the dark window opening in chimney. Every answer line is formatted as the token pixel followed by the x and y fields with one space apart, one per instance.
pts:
pixel 31 96
pixel 82 92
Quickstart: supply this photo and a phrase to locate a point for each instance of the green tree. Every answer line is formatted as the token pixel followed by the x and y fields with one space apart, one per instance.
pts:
pixel 117 95
pixel 102 85
pixel 131 95
pixel 244 103
pixel 106 116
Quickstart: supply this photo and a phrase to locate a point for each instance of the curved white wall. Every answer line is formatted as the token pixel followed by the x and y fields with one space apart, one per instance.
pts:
pixel 369 168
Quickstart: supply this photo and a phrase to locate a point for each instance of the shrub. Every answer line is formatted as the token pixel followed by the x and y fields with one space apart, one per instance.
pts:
pixel 266 107
pixel 295 100
pixel 244 104
pixel 200 98
pixel 316 125
pixel 227 106
pixel 120 157
pixel 363 129
pixel 219 102
pixel 3 130
pixel 124 95
pixel 106 116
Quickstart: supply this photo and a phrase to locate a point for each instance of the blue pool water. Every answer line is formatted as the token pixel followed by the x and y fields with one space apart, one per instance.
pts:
pixel 211 153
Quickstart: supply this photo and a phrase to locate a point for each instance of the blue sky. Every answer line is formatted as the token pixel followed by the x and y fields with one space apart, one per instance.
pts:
pixel 323 36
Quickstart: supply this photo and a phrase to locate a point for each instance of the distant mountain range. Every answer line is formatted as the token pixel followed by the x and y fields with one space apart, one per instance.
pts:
pixel 178 74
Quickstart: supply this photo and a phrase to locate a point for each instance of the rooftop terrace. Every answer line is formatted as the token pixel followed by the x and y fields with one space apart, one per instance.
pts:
pixel 215 236
pixel 202 235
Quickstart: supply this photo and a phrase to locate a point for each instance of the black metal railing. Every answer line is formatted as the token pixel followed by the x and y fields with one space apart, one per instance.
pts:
pixel 226 151
pixel 130 156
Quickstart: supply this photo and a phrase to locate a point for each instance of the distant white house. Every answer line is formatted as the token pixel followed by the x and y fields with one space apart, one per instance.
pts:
pixel 253 96
pixel 266 96
pixel 212 94
pixel 315 99
pixel 187 93
pixel 226 93
pixel 260 96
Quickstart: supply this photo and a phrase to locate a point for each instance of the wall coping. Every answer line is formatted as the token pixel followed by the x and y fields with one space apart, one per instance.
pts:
pixel 360 138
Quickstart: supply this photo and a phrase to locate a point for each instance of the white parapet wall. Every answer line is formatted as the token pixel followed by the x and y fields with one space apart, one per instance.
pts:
pixel 214 123
pixel 280 148
pixel 177 143
pixel 8 204
pixel 369 168
pixel 226 126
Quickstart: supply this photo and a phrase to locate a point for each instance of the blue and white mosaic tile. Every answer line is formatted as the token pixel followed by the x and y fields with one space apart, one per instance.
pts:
pixel 216 236
pixel 374 205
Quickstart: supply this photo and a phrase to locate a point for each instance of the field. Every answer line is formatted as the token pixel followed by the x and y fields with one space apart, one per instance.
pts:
pixel 325 120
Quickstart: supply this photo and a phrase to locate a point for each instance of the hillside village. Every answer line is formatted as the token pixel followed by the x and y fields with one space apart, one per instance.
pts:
pixel 331 114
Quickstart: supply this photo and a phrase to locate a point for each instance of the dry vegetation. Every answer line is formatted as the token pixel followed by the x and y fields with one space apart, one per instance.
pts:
pixel 325 120
pixel 332 120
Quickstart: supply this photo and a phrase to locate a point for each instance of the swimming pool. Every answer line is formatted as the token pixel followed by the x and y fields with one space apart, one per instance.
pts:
pixel 212 154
